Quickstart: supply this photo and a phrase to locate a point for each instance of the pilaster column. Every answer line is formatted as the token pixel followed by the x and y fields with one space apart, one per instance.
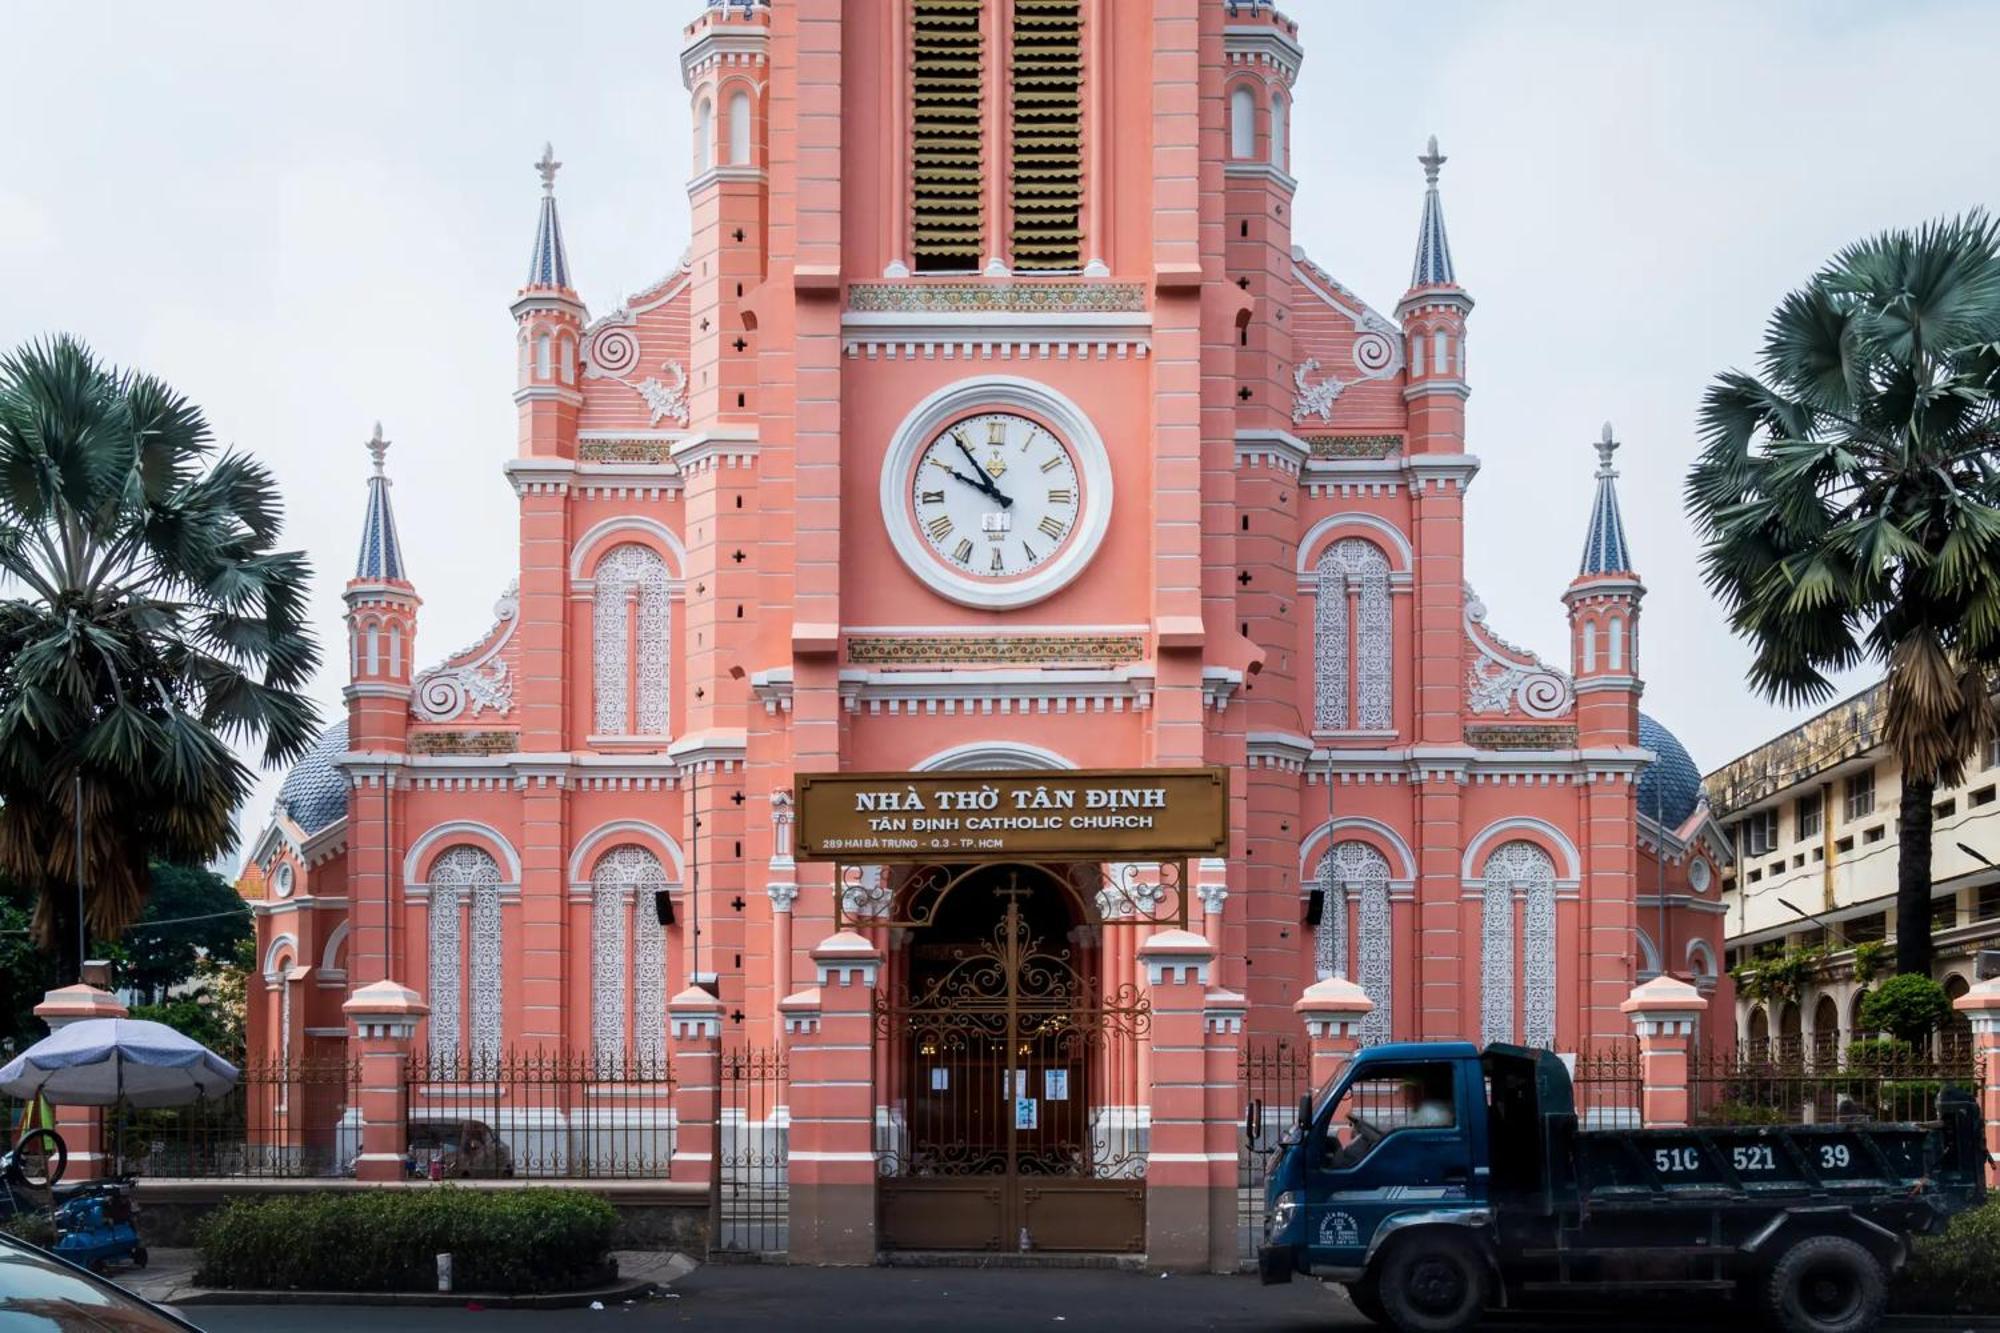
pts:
pixel 783 894
pixel 697 1065
pixel 1222 1025
pixel 384 1016
pixel 1332 1011
pixel 833 1106
pixel 1982 1005
pixel 1179 1212
pixel 1664 1012
pixel 81 1127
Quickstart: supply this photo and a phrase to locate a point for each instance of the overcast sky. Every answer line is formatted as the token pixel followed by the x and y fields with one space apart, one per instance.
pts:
pixel 307 217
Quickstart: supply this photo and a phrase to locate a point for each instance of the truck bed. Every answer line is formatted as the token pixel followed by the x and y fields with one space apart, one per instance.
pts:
pixel 1751 1163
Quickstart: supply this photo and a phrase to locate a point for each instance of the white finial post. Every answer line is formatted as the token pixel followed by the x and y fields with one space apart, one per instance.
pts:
pixel 1431 161
pixel 1607 445
pixel 378 448
pixel 548 167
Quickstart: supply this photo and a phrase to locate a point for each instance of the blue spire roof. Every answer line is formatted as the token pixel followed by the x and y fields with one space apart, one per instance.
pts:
pixel 1433 267
pixel 1604 549
pixel 548 266
pixel 381 553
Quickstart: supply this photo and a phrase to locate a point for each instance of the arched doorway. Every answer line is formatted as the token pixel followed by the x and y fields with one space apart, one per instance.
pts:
pixel 1789 1031
pixel 1826 1030
pixel 1955 1038
pixel 1002 1046
pixel 1760 1033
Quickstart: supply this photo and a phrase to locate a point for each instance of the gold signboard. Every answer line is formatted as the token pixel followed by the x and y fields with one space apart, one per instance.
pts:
pixel 1080 814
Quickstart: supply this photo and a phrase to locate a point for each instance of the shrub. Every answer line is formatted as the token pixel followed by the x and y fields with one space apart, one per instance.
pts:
pixel 35 1228
pixel 1955 1270
pixel 1910 1005
pixel 526 1240
pixel 1870 1055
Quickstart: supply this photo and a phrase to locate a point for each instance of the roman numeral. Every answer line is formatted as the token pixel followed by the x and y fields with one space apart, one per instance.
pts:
pixel 1051 528
pixel 931 498
pixel 1032 557
pixel 1064 496
pixel 939 527
pixel 1053 463
pixel 998 567
pixel 964 552
pixel 996 432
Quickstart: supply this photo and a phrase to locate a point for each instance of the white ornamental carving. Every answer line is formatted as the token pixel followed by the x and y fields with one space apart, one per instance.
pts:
pixel 1376 951
pixel 456 872
pixel 1538 968
pixel 1356 569
pixel 1126 892
pixel 631 612
pixel 1495 684
pixel 485 997
pixel 666 402
pixel 1313 400
pixel 481 684
pixel 649 967
pixel 611 351
pixel 1356 872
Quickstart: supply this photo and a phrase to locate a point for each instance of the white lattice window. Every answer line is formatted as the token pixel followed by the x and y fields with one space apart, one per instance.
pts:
pixel 624 886
pixel 1353 639
pixel 632 620
pixel 460 874
pixel 1523 870
pixel 1354 872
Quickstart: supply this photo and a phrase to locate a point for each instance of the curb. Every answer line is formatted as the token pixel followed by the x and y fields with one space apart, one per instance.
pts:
pixel 1915 1320
pixel 553 1300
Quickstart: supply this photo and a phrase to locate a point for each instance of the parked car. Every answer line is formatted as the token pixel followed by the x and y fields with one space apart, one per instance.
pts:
pixel 41 1290
pixel 464 1149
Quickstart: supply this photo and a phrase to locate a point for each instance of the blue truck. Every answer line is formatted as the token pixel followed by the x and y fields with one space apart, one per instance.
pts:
pixel 1438 1181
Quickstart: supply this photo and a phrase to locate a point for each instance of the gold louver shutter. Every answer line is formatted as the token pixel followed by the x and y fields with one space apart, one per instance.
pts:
pixel 1048 134
pixel 946 165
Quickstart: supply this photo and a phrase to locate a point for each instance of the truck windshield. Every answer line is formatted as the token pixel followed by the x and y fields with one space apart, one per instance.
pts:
pixel 1387 1098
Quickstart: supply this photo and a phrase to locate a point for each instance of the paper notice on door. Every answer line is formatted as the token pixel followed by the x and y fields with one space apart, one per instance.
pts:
pixel 940 1079
pixel 1026 1111
pixel 1055 1084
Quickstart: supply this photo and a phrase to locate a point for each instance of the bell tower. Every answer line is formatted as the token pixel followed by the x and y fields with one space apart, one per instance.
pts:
pixel 1603 602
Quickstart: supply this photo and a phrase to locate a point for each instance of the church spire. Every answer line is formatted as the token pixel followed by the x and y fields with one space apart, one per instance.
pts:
pixel 1433 264
pixel 548 266
pixel 1604 549
pixel 381 559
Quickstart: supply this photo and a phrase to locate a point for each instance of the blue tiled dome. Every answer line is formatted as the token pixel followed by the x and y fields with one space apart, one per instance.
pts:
pixel 1670 786
pixel 314 793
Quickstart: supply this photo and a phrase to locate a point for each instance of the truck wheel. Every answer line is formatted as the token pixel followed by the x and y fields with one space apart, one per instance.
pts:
pixel 1365 1297
pixel 1825 1284
pixel 1432 1284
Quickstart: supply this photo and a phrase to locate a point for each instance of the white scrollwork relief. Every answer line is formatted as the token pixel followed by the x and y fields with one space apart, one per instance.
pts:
pixel 481 684
pixel 611 351
pixel 1496 684
pixel 1356 569
pixel 667 402
pixel 1127 892
pixel 1313 400
pixel 631 614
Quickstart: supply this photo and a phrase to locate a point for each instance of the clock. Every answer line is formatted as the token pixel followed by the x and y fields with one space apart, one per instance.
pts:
pixel 996 492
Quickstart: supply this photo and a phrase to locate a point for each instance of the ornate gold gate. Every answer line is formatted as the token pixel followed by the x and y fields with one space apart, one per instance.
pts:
pixel 1008 1066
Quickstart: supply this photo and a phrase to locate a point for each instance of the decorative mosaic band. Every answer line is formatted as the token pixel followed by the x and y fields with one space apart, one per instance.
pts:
pixel 1521 738
pixel 464 742
pixel 993 650
pixel 1354 446
pixel 624 451
pixel 1027 298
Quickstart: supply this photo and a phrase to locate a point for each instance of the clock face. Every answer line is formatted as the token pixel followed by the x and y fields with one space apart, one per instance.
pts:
pixel 995 496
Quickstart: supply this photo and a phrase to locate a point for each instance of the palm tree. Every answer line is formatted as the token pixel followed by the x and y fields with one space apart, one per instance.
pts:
pixel 1849 500
pixel 149 625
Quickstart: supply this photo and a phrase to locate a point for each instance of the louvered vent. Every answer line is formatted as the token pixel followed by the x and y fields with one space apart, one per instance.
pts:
pixel 1048 134
pixel 946 163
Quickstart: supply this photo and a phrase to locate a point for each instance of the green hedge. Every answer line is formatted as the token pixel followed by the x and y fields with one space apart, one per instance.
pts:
pixel 513 1240
pixel 1958 1270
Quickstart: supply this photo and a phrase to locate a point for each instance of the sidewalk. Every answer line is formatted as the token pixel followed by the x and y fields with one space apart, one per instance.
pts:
pixel 169 1280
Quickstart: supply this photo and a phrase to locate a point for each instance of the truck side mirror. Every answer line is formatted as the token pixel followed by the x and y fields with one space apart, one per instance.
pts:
pixel 1305 1112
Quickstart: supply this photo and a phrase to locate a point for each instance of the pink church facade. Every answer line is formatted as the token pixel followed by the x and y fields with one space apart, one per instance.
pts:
pixel 980 430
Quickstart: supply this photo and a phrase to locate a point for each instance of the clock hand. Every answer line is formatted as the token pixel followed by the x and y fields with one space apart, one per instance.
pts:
pixel 985 483
pixel 973 482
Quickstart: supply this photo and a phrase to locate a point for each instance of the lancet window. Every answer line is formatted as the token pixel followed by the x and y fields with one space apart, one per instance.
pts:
pixel 1519 872
pixel 465 877
pixel 624 888
pixel 632 622
pixel 1354 875
pixel 1353 639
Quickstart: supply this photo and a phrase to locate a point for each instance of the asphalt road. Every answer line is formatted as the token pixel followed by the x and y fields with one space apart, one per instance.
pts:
pixel 956 1299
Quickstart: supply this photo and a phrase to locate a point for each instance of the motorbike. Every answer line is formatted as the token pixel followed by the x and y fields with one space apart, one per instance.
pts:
pixel 35 1163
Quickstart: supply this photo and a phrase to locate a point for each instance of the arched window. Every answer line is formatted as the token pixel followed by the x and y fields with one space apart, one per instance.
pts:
pixel 1354 871
pixel 465 876
pixel 1242 123
pixel 624 886
pixel 1440 353
pixel 1280 150
pixel 542 370
pixel 631 619
pixel 739 128
pixel 395 650
pixel 1520 869
pixel 1760 1033
pixel 374 640
pixel 704 135
pixel 568 360
pixel 1590 645
pixel 1353 639
pixel 1614 632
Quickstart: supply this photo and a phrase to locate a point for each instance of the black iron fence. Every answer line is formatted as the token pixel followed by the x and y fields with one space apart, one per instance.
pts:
pixel 1606 1083
pixel 281 1120
pixel 540 1114
pixel 1274 1076
pixel 753 1155
pixel 1866 1079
